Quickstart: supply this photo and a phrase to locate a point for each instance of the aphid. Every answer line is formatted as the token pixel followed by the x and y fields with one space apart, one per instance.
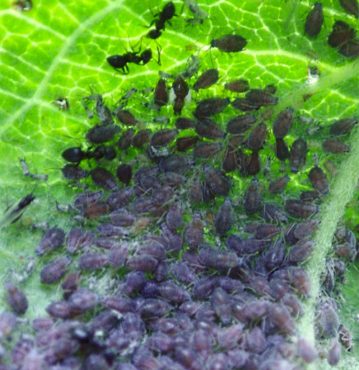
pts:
pixel 245 105
pixel 174 163
pixel 327 321
pixel 52 239
pixel 280 317
pixel 343 126
pixel 186 142
pixel 143 263
pixel 350 49
pixel 245 246
pixel 206 79
pixel 335 146
pixel 224 218
pixel 222 305
pixel 229 43
pixel 152 308
pixel 13 213
pixel 206 149
pixel 345 338
pixel 23 5
pixel 299 209
pixel 318 180
pixel 73 172
pixel 211 106
pixel 230 162
pixel 252 198
pixel 59 309
pixel 103 178
pixel 102 133
pixel 173 293
pixel 74 155
pixel 283 123
pixel 161 93
pixel 82 300
pixel 92 261
pixel 253 165
pixel 306 351
pixel 183 123
pixel 141 138
pixel 278 185
pixel 54 270
pixel 62 103
pixel 334 353
pixel 341 34
pixel 162 137
pixel 217 183
pixel 70 284
pixel 8 323
pixel 351 7
pixel 208 129
pixel 240 124
pixel 261 97
pixel 181 89
pixel 298 154
pixel 125 141
pixel 211 258
pixel 281 150
pixel 257 137
pixel 314 21
pixel 239 85
pixel 193 234
pixel 300 252
pixel 174 218
pixel 16 299
pixel 124 173
pixel 126 117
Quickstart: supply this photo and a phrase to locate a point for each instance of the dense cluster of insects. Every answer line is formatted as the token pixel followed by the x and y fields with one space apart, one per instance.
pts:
pixel 199 276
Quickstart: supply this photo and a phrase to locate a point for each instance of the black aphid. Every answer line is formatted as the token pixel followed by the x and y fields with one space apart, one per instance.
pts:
pixel 239 85
pixel 261 97
pixel 162 137
pixel 16 299
pixel 318 179
pixel 124 173
pixel 141 138
pixel 298 155
pixel 206 149
pixel 299 209
pixel 240 124
pixel 161 93
pixel 224 218
pixel 257 137
pixel 183 123
pixel 206 79
pixel 245 105
pixel 181 89
pixel 314 21
pixel 209 129
pixel 350 49
pixel 54 270
pixel 351 7
pixel 252 198
pixel 335 146
pixel 341 34
pixel 73 172
pixel 186 143
pixel 102 133
pixel 229 43
pixel 209 107
pixel 343 126
pixel 103 178
pixel 278 185
pixel 283 123
pixel 74 155
pixel 126 117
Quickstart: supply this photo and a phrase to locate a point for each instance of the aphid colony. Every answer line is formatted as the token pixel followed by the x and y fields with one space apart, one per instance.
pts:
pixel 200 275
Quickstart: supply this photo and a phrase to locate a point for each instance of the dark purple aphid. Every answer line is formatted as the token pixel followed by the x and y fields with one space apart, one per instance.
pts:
pixel 16 299
pixel 181 89
pixel 126 117
pixel 74 155
pixel 141 138
pixel 186 142
pixel 245 105
pixel 193 234
pixel 224 218
pixel 351 7
pixel 300 252
pixel 239 85
pixel 240 124
pixel 230 161
pixel 298 155
pixel 54 270
pixel 306 351
pixel 208 129
pixel 125 141
pixel 278 185
pixel 161 93
pixel 182 273
pixel 343 126
pixel 245 246
pixel 283 123
pixel 92 261
pixel 122 218
pixel 163 137
pixel 142 263
pixel 124 173
pixel 211 258
pixel 255 341
pixel 206 149
pixel 261 97
pixel 327 321
pixel 280 317
pixel 103 178
pixel 335 146
pixel 252 198
pixel 229 43
pixel 334 353
pixel 183 123
pixel 173 293
pixel 78 239
pixel 222 305
pixel 70 284
pixel 314 21
pixel 52 239
pixel 82 300
pixel 59 309
pixel 257 137
pixel 153 308
pixel 206 79
pixel 102 133
pixel 73 172
pixel 341 34
pixel 253 165
pixel 318 180
pixel 217 183
pixel 174 218
pixel 281 150
pixel 8 323
pixel 95 362
pixel 174 163
pixel 345 338
pixel 211 106
pixel 299 209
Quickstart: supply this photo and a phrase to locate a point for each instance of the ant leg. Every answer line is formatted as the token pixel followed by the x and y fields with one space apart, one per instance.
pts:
pixel 159 49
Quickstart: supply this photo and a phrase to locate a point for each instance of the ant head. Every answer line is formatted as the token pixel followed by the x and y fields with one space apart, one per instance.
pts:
pixel 146 56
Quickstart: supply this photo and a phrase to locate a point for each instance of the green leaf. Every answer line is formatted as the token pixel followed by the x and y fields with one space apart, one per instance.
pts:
pixel 59 49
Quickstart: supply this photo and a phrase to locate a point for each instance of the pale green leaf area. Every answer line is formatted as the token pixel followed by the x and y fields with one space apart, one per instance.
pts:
pixel 59 49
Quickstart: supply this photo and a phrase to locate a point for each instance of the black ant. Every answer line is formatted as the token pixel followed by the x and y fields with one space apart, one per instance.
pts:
pixel 121 61
pixel 167 13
